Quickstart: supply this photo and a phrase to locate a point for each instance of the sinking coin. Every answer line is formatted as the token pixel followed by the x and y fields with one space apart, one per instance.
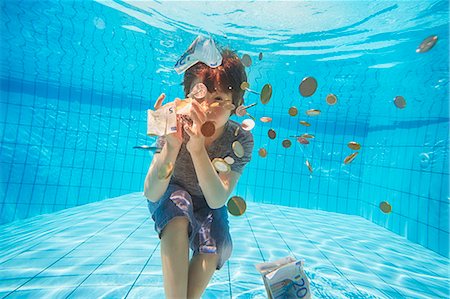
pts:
pixel 354 145
pixel 306 135
pixel 165 171
pixel 427 44
pixel 260 56
pixel 248 124
pixel 309 166
pixel 424 160
pixel 400 102
pixel 272 134
pixel 350 158
pixel 265 119
pixel 305 123
pixel 385 207
pixel 220 165
pixel 214 105
pixel 262 152
pixel 303 140
pixel 229 160
pixel 238 149
pixel 246 60
pixel 293 111
pixel 286 143
pixel 241 111
pixel 208 129
pixel 331 99
pixel 198 91
pixel 236 206
pixel 236 132
pixel 308 86
pixel 313 112
pixel 266 93
pixel 244 85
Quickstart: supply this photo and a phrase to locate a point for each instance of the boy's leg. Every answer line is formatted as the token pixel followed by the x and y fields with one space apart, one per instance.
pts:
pixel 175 257
pixel 201 269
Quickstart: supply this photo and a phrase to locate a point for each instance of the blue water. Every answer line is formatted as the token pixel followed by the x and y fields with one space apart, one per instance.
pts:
pixel 77 78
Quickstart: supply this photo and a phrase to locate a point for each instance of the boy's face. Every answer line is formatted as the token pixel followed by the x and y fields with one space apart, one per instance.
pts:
pixel 216 106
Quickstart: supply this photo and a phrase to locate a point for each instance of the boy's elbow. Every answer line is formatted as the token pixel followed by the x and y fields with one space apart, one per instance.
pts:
pixel 150 196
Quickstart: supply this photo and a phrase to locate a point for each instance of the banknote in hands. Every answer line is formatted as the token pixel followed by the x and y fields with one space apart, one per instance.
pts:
pixel 162 121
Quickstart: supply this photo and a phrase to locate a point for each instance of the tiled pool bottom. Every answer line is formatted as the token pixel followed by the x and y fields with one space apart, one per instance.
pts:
pixel 109 249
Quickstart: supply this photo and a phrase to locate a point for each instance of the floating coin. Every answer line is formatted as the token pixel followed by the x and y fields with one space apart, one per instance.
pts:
pixel 354 145
pixel 198 91
pixel 214 105
pixel 262 152
pixel 241 111
pixel 313 112
pixel 286 143
pixel 303 140
pixel 400 102
pixel 272 134
pixel 244 85
pixel 293 111
pixel 308 86
pixel 424 160
pixel 306 135
pixel 260 56
pixel 350 158
pixel 385 207
pixel 309 166
pixel 246 60
pixel 331 99
pixel 305 123
pixel 236 206
pixel 266 93
pixel 220 165
pixel 248 124
pixel 236 132
pixel 265 119
pixel 165 171
pixel 229 160
pixel 208 129
pixel 427 44
pixel 238 149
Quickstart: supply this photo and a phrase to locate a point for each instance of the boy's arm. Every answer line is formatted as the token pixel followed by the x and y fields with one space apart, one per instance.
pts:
pixel 216 188
pixel 154 187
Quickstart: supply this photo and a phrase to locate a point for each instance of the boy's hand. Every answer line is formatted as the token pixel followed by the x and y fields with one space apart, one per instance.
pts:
pixel 197 140
pixel 174 140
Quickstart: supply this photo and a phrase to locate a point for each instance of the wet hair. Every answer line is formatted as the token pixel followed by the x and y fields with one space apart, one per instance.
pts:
pixel 224 78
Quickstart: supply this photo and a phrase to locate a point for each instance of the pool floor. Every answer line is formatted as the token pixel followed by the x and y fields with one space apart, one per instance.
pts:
pixel 109 249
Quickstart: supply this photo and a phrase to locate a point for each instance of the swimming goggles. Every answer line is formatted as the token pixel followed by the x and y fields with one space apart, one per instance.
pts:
pixel 203 50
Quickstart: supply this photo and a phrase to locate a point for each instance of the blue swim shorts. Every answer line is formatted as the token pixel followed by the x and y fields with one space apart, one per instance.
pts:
pixel 208 230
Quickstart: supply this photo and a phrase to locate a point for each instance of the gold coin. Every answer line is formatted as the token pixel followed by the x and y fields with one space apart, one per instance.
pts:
pixel 265 119
pixel 208 129
pixel 238 149
pixel 236 206
pixel 244 85
pixel 331 99
pixel 165 171
pixel 262 152
pixel 306 135
pixel 354 145
pixel 308 86
pixel 313 112
pixel 350 158
pixel 305 123
pixel 427 44
pixel 266 93
pixel 220 165
pixel 214 105
pixel 260 56
pixel 272 134
pixel 248 124
pixel 385 207
pixel 293 111
pixel 400 102
pixel 229 160
pixel 286 143
pixel 246 60
pixel 236 132
pixel 303 140
pixel 309 166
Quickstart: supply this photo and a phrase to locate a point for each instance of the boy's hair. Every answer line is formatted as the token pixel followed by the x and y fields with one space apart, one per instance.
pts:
pixel 226 77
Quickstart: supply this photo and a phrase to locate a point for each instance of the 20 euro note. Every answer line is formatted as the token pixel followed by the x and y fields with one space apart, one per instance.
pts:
pixel 162 121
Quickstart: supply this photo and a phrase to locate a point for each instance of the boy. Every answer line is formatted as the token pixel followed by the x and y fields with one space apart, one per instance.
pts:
pixel 188 206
